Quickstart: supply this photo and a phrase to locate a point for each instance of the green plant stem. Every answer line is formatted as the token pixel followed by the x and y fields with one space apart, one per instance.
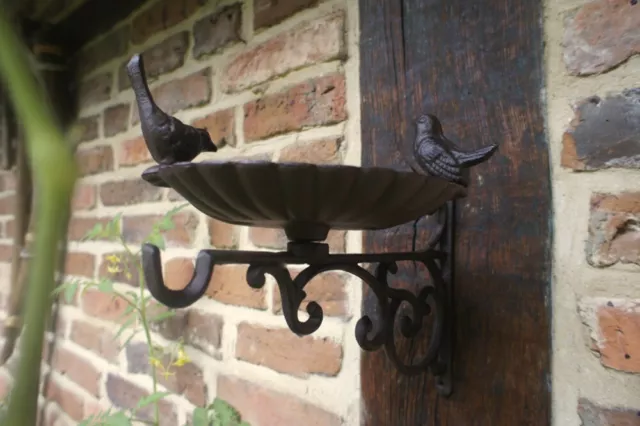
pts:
pixel 145 326
pixel 55 172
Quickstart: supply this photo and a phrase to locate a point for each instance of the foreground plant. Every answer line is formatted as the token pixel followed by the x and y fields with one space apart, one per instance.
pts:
pixel 140 316
pixel 55 173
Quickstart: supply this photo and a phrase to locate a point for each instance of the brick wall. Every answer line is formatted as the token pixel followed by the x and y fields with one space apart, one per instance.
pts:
pixel 273 80
pixel 593 98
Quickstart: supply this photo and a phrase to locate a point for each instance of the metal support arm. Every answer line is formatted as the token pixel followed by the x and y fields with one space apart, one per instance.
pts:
pixel 434 298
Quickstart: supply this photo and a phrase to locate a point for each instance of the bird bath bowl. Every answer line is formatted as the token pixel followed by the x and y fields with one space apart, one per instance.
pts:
pixel 306 200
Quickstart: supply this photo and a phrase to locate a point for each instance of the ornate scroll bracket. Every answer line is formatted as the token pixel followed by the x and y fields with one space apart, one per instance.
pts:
pixel 372 332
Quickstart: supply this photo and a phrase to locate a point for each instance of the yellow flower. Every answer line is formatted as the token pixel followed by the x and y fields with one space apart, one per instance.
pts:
pixel 155 362
pixel 114 259
pixel 183 358
pixel 114 269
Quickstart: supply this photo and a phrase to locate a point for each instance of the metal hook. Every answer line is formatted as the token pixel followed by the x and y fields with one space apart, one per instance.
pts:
pixel 152 268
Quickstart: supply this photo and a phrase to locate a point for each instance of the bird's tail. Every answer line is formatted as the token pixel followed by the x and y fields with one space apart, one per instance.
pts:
pixel 470 159
pixel 135 70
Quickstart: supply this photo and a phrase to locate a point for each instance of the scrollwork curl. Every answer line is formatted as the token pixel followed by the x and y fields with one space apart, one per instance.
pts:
pixel 291 294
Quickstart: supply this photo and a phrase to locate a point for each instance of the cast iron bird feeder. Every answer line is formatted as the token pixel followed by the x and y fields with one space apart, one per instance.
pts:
pixel 307 201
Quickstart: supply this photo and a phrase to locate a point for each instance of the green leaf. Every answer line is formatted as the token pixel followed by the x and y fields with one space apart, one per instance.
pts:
pixel 117 419
pixel 105 285
pixel 156 239
pixel 63 287
pixel 175 210
pixel 200 417
pixel 95 232
pixel 166 224
pixel 225 413
pixel 70 292
pixel 151 399
pixel 112 230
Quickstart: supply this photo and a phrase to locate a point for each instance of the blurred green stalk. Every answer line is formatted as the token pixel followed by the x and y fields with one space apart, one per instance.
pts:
pixel 55 172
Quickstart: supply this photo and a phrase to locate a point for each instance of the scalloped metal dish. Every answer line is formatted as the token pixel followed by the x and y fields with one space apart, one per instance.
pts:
pixel 305 199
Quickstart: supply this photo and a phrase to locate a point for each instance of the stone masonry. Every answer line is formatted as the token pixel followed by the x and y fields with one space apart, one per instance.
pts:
pixel 268 80
pixel 593 99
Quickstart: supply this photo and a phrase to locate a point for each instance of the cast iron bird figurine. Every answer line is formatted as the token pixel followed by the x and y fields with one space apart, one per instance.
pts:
pixel 168 139
pixel 436 155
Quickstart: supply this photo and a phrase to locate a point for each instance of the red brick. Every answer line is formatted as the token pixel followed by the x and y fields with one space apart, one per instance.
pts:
pixel 220 125
pixel 178 272
pixel 314 103
pixel 79 226
pixel 70 402
pixel 619 331
pixel 109 47
pixel 164 57
pixel 187 92
pixel 325 151
pixel 133 152
pixel 628 202
pixel 196 328
pixel 229 285
pixel 613 229
pixel 123 193
pixel 95 160
pixel 136 229
pixel 7 181
pixel 204 331
pixel 217 30
pixel 84 197
pixel 5 253
pixel 87 128
pixel 9 229
pixel 125 394
pixel 77 369
pixel 603 133
pixel 98 340
pixel 312 42
pixel 160 16
pixel 597 415
pixel 272 238
pixel 260 406
pixel 116 119
pixel 328 290
pixel 104 306
pixel 93 407
pixel 80 264
pixel 95 90
pixel 222 234
pixel 271 348
pixel 601 35
pixel 6 204
pixel 267 13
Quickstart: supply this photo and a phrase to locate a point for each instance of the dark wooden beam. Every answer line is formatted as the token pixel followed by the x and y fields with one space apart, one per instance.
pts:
pixel 478 66
pixel 88 21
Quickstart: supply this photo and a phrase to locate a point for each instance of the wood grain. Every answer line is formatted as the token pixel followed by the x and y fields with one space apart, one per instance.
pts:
pixel 478 67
